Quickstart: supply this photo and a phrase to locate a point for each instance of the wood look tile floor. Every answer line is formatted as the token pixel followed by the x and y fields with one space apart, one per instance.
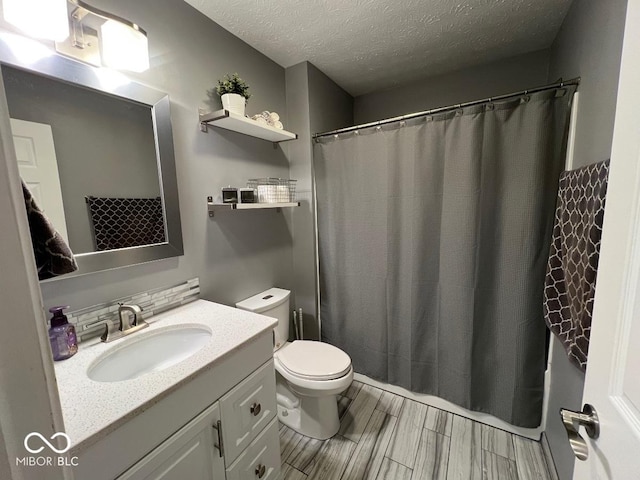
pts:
pixel 384 436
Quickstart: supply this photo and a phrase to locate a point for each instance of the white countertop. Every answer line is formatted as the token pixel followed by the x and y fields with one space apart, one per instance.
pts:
pixel 93 409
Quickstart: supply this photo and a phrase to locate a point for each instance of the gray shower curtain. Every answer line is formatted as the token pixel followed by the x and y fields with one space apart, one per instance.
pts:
pixel 433 242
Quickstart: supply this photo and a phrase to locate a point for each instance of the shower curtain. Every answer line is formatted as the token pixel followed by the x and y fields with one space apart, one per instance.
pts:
pixel 433 240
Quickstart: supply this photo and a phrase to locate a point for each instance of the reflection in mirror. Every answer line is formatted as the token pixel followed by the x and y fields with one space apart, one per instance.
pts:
pixel 99 163
pixel 89 160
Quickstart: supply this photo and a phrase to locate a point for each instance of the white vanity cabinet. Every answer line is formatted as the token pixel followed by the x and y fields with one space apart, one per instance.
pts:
pixel 235 438
pixel 190 453
pixel 164 425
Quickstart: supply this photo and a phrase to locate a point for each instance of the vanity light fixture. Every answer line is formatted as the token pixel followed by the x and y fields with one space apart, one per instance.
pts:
pixel 45 19
pixel 103 39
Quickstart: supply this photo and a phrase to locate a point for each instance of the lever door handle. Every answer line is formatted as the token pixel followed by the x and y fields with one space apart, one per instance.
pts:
pixel 571 420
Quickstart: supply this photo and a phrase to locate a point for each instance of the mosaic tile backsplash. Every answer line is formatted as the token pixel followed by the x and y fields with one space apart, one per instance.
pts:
pixel 152 302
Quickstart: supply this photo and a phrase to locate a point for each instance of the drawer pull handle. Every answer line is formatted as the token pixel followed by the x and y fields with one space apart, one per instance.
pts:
pixel 260 470
pixel 220 446
pixel 256 408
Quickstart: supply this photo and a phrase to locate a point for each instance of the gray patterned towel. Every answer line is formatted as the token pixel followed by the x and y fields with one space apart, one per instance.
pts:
pixel 573 258
pixel 53 255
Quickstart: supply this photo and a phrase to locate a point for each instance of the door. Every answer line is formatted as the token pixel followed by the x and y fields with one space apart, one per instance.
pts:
pixel 191 453
pixel 38 168
pixel 612 382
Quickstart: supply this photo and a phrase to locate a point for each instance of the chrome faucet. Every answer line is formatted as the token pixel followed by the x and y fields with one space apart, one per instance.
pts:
pixel 127 325
pixel 123 315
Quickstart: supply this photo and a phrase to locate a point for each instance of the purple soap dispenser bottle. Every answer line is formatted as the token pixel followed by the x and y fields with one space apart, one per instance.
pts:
pixel 62 335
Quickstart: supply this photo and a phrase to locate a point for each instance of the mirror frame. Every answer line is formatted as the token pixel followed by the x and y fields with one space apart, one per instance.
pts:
pixel 69 71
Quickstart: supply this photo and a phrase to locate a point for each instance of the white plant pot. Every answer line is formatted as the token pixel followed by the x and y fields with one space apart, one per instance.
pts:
pixel 234 103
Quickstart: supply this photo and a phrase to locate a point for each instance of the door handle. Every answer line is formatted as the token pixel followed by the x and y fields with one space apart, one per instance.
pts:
pixel 571 420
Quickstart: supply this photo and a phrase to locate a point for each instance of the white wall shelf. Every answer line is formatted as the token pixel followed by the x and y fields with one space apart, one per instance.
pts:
pixel 212 208
pixel 246 126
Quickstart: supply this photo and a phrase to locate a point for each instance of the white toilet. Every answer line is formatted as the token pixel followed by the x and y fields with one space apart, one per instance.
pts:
pixel 309 374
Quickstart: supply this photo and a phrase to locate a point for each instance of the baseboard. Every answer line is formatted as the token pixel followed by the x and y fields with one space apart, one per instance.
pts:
pixel 548 457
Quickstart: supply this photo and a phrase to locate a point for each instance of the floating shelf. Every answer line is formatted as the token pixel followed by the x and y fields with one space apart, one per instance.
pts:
pixel 212 208
pixel 237 123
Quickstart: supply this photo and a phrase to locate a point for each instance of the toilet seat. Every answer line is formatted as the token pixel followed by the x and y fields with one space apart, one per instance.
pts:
pixel 312 360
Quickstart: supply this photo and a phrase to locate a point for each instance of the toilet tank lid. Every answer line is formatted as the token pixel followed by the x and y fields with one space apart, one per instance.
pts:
pixel 264 301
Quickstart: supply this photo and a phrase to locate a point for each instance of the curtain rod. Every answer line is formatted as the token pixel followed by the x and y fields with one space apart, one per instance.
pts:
pixel 558 84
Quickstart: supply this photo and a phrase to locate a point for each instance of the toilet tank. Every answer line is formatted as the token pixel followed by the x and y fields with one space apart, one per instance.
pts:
pixel 272 303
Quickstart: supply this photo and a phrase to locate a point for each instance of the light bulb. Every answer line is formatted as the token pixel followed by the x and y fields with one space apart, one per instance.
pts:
pixel 47 19
pixel 124 47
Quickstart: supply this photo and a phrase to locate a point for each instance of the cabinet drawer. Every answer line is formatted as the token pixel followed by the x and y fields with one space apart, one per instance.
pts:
pixel 247 409
pixel 261 459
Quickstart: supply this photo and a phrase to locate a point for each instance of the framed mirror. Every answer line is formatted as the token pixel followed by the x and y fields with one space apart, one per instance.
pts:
pixel 96 151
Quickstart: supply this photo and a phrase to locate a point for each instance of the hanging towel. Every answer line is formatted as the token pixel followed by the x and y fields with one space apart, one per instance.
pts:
pixel 126 222
pixel 53 255
pixel 573 258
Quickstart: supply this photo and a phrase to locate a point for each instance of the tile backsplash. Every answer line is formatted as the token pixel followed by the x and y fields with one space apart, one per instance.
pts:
pixel 152 302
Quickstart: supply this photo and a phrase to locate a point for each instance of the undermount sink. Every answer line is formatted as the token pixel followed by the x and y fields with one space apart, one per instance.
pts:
pixel 149 352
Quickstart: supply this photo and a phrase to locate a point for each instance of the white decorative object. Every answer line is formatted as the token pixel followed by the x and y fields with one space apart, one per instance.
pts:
pixel 269 118
pixel 267 193
pixel 234 103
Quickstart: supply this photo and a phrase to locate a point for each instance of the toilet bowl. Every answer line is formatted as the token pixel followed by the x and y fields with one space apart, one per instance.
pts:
pixel 314 373
pixel 309 374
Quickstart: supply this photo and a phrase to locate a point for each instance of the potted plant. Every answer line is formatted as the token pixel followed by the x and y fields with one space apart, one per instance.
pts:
pixel 234 93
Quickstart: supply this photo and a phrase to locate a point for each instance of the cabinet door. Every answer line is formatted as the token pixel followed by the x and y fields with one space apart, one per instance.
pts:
pixel 261 459
pixel 191 453
pixel 247 409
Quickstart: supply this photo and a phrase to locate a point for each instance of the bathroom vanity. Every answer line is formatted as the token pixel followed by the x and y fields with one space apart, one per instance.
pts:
pixel 210 416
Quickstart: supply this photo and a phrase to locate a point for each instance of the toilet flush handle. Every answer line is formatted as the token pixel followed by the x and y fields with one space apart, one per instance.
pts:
pixel 255 409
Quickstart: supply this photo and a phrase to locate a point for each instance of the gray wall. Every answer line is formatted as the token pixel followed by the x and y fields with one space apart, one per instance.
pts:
pixel 314 103
pixel 330 107
pixel 588 45
pixel 237 254
pixel 104 147
pixel 496 78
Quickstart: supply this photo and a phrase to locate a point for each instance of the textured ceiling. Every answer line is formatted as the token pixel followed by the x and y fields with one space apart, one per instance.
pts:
pixel 368 45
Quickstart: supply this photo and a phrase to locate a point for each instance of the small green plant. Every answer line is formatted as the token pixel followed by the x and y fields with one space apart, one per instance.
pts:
pixel 233 84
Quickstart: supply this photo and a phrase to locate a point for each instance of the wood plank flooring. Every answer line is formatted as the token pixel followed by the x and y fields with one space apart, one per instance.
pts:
pixel 384 436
